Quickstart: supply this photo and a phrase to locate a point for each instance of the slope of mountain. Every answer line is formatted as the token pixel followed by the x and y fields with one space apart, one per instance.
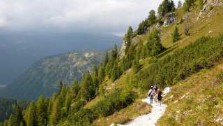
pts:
pixel 19 50
pixel 43 77
pixel 191 65
pixel 201 102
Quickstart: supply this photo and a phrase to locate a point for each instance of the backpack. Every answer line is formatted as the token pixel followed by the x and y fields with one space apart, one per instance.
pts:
pixel 150 92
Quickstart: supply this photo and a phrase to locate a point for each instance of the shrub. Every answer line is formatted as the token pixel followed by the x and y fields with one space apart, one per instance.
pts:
pixel 167 71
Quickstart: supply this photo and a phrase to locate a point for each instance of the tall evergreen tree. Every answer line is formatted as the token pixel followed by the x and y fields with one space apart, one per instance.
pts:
pixel 30 115
pixel 41 108
pixel 56 111
pixel 152 18
pixel 165 7
pixel 175 35
pixel 128 38
pixel 87 90
pixel 16 118
pixel 114 53
pixel 142 28
pixel 154 43
pixel 68 102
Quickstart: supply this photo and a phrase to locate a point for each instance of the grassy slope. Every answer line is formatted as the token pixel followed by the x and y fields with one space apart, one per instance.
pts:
pixel 198 100
pixel 199 28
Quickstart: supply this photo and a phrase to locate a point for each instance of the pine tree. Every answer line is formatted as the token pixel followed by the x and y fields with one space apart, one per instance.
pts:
pixel 16 118
pixel 152 18
pixel 165 7
pixel 128 38
pixel 87 90
pixel 60 87
pixel 30 115
pixel 106 58
pixel 154 43
pixel 75 89
pixel 56 111
pixel 175 35
pixel 142 28
pixel 101 74
pixel 67 102
pixel 114 53
pixel 41 108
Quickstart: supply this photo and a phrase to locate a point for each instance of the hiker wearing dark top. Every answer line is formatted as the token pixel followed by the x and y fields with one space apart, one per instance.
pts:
pixel 159 97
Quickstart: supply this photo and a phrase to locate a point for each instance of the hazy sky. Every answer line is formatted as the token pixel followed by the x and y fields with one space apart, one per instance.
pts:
pixel 108 16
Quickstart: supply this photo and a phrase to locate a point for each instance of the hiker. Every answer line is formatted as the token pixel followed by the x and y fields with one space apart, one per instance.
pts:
pixel 150 94
pixel 159 97
pixel 155 96
pixel 150 91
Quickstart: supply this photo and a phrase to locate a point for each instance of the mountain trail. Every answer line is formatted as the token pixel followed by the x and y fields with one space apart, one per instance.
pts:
pixel 151 118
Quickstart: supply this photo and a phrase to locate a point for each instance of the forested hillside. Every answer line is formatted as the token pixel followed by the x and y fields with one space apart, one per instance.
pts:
pixel 45 75
pixel 6 108
pixel 165 50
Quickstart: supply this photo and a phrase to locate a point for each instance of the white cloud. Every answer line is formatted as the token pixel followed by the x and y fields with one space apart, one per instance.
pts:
pixel 74 15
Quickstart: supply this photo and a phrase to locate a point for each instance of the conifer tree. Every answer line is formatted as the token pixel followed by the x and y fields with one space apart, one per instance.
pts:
pixel 101 74
pixel 114 53
pixel 165 7
pixel 154 43
pixel 142 28
pixel 87 90
pixel 16 117
pixel 67 102
pixel 128 38
pixel 75 89
pixel 175 35
pixel 106 58
pixel 41 108
pixel 152 18
pixel 56 111
pixel 30 115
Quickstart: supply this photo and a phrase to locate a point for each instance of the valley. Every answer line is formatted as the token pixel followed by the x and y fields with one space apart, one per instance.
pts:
pixel 180 47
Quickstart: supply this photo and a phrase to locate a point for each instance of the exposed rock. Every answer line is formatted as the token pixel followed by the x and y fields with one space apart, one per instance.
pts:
pixel 207 8
pixel 169 19
pixel 122 50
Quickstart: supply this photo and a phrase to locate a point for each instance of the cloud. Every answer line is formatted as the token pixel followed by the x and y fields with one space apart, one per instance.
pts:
pixel 74 15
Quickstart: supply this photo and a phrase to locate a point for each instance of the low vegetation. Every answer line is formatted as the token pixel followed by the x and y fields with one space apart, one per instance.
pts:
pixel 196 100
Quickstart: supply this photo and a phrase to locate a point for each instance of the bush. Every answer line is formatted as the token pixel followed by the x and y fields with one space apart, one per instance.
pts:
pixel 112 103
pixel 84 117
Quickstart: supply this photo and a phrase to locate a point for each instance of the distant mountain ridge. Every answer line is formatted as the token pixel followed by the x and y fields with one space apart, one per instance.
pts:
pixel 20 50
pixel 43 77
